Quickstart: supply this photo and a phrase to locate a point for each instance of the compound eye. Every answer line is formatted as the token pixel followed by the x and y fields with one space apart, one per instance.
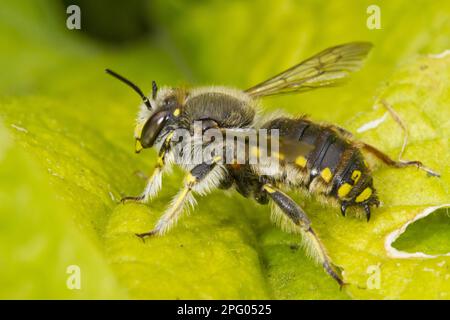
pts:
pixel 153 127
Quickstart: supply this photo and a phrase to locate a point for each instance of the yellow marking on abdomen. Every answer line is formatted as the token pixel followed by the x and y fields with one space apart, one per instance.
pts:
pixel 363 196
pixel 300 161
pixel 177 112
pixel 326 174
pixel 278 155
pixel 255 151
pixel 356 175
pixel 344 190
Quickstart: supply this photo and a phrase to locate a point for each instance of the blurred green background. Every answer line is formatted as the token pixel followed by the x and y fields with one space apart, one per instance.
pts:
pixel 66 147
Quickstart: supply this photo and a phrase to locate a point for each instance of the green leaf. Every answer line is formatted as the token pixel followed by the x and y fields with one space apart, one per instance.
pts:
pixel 38 240
pixel 428 235
pixel 419 95
pixel 67 157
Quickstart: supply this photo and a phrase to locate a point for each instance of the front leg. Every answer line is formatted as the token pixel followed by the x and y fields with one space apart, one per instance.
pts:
pixel 154 182
pixel 201 179
pixel 151 189
pixel 296 215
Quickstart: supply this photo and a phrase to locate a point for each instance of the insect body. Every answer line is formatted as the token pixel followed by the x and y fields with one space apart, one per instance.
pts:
pixel 320 159
pixel 335 169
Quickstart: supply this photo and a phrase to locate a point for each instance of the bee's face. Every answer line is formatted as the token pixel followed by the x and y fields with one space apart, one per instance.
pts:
pixel 166 104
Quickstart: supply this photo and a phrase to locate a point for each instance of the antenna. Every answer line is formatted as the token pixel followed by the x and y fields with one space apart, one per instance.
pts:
pixel 132 85
pixel 154 89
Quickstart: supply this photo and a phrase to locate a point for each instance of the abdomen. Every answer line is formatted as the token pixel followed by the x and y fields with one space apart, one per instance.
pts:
pixel 333 167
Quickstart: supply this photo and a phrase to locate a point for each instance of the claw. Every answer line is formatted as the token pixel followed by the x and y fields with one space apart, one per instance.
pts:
pixel 431 173
pixel 129 198
pixel 331 270
pixel 342 285
pixel 146 234
pixel 377 203
pixel 367 210
pixel 343 208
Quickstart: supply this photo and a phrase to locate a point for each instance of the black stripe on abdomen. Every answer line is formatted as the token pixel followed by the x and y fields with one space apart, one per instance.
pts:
pixel 328 151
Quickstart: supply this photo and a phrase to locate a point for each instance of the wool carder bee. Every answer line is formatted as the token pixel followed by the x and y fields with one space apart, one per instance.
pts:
pixel 319 159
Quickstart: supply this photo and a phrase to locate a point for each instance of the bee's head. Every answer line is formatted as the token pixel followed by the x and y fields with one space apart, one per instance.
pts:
pixel 155 112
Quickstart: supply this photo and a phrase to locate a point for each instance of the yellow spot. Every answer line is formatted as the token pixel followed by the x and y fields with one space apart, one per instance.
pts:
pixel 138 146
pixel 170 135
pixel 326 174
pixel 269 189
pixel 344 190
pixel 176 113
pixel 300 161
pixel 217 159
pixel 278 155
pixel 366 164
pixel 364 195
pixel 255 151
pixel 160 162
pixel 356 175
pixel 190 178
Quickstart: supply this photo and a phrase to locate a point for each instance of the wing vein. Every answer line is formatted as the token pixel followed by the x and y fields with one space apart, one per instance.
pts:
pixel 325 69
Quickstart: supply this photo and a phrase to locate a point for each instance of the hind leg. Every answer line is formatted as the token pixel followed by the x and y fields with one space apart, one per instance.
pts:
pixel 397 164
pixel 294 213
pixel 388 160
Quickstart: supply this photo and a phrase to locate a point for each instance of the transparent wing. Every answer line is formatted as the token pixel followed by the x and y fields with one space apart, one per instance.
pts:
pixel 325 69
pixel 288 147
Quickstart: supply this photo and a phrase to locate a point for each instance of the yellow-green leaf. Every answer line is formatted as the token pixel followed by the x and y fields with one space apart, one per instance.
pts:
pixel 66 152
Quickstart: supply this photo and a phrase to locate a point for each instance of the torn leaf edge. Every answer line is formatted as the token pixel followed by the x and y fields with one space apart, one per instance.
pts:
pixel 391 237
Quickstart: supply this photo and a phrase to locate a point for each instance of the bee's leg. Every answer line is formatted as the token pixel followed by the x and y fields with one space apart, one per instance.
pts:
pixel 295 214
pixel 155 180
pixel 399 163
pixel 199 180
pixel 401 124
pixel 151 189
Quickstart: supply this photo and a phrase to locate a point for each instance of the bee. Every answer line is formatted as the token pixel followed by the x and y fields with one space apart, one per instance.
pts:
pixel 315 158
